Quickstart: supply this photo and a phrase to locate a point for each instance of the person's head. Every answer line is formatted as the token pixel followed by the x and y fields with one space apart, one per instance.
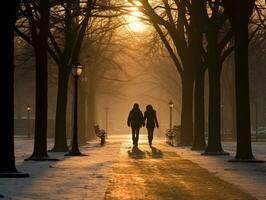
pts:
pixel 136 106
pixel 149 107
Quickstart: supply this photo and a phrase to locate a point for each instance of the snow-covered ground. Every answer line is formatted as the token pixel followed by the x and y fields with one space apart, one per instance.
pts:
pixel 250 177
pixel 71 178
pixel 87 177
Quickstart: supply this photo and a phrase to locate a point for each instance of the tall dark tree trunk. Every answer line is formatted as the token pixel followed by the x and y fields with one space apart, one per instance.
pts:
pixel 214 69
pixel 199 112
pixel 61 108
pixel 41 105
pixel 40 138
pixel 244 150
pixel 74 34
pixel 186 137
pixel 239 13
pixel 196 24
pixel 214 137
pixel 7 154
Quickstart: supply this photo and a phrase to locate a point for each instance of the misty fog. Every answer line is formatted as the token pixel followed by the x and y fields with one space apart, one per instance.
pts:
pixel 129 70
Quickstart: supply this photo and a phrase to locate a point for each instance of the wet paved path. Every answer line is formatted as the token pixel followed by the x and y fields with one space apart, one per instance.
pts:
pixel 161 174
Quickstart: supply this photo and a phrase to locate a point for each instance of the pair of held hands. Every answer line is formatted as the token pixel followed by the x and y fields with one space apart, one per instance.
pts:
pixel 157 126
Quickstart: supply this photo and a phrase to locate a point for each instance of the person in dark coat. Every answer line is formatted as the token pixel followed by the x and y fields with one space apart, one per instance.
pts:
pixel 135 121
pixel 150 119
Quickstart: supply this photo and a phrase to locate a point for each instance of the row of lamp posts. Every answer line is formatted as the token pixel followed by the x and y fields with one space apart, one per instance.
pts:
pixel 76 71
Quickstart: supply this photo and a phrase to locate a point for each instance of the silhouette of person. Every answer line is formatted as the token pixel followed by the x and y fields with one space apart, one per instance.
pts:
pixel 151 120
pixel 135 121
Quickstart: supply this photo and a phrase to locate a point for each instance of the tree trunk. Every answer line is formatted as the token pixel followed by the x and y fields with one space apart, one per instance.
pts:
pixel 7 154
pixel 199 113
pixel 196 24
pixel 61 108
pixel 40 139
pixel 244 149
pixel 41 105
pixel 214 70
pixel 214 136
pixel 239 12
pixel 186 137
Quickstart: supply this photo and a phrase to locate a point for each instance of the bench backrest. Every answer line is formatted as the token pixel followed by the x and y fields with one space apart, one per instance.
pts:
pixel 96 128
pixel 99 132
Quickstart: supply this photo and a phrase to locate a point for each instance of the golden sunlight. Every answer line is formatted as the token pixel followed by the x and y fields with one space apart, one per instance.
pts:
pixel 135 24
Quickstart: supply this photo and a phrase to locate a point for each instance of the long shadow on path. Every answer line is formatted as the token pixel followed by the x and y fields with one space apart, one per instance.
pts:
pixel 155 153
pixel 136 153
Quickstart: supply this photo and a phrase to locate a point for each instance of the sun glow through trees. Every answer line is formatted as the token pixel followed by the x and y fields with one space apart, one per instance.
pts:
pixel 135 21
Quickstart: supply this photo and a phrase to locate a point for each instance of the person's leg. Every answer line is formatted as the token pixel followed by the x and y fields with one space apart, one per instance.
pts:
pixel 151 135
pixel 148 130
pixel 133 136
pixel 137 136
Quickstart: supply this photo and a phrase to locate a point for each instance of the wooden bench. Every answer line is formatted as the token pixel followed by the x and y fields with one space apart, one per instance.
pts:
pixel 100 133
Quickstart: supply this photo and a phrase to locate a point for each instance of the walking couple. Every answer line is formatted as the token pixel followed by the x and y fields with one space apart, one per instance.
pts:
pixel 136 120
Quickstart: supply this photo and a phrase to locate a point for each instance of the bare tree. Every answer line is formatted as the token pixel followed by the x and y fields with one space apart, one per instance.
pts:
pixel 239 21
pixel 7 154
pixel 36 15
pixel 171 26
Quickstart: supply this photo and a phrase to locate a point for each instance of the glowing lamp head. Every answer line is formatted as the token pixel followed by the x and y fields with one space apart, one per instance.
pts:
pixel 77 69
pixel 28 108
pixel 171 104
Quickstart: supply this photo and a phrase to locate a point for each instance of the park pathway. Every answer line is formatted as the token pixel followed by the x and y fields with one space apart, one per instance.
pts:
pixel 159 173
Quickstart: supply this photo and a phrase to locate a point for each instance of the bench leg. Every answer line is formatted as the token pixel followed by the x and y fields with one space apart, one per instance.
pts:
pixel 102 141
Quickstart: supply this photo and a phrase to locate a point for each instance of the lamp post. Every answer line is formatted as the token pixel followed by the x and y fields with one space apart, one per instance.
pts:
pixel 28 119
pixel 106 120
pixel 76 71
pixel 171 105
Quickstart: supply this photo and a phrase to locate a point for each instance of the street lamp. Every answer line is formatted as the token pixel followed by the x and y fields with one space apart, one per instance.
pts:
pixel 28 119
pixel 106 120
pixel 76 71
pixel 171 105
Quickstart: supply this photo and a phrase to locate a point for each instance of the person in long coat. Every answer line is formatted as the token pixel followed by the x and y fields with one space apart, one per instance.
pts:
pixel 150 119
pixel 135 121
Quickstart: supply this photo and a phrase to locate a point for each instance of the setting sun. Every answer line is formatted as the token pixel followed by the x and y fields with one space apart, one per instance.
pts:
pixel 134 22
